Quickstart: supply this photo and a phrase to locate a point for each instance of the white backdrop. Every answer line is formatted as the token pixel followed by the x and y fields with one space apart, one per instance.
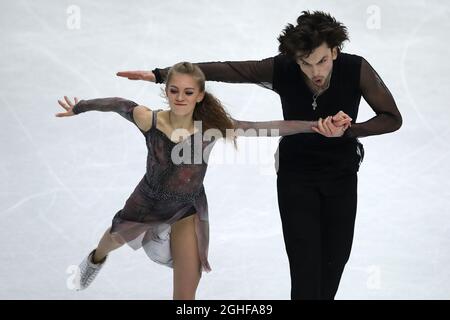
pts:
pixel 63 179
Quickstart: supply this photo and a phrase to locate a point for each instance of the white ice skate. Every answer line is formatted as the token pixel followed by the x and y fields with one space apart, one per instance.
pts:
pixel 88 271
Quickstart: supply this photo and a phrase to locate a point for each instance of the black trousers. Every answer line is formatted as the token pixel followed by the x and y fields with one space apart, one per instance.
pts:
pixel 318 219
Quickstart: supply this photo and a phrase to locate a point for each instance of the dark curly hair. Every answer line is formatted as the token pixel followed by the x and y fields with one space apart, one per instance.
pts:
pixel 311 31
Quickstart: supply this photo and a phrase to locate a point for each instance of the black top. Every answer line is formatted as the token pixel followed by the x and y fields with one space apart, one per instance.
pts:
pixel 314 154
pixel 311 154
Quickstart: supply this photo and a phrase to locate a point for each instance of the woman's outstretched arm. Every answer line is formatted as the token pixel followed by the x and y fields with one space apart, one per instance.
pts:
pixel 289 127
pixel 130 110
pixel 272 128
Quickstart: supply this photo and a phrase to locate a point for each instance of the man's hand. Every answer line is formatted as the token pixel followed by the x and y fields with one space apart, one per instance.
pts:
pixel 333 126
pixel 137 75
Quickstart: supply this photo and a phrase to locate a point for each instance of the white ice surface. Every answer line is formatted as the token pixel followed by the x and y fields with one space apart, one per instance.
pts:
pixel 63 179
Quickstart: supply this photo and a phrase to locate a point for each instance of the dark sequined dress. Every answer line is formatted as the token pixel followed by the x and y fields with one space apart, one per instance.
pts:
pixel 167 192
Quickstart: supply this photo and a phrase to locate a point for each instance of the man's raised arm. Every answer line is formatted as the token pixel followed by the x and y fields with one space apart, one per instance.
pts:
pixel 259 72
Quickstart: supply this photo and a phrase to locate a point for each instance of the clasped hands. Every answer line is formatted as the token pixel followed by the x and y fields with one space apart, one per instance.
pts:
pixel 333 126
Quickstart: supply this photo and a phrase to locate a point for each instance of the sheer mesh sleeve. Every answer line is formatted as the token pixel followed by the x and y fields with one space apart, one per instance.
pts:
pixel 272 128
pixel 121 106
pixel 259 72
pixel 378 96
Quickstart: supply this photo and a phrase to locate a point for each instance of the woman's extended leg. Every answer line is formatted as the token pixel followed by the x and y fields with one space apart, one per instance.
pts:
pixel 93 263
pixel 186 261
pixel 108 243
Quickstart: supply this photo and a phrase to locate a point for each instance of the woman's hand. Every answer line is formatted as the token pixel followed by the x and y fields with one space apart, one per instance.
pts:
pixel 137 75
pixel 68 106
pixel 333 126
pixel 341 118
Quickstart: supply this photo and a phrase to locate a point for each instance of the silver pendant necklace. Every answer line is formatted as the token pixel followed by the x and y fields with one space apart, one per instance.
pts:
pixel 317 94
pixel 314 104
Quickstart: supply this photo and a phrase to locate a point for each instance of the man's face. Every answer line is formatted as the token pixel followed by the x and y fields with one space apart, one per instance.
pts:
pixel 318 65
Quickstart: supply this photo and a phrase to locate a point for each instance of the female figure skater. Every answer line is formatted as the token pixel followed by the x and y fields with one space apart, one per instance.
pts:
pixel 167 213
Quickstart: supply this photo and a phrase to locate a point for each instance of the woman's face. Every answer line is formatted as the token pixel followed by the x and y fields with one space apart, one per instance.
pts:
pixel 183 93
